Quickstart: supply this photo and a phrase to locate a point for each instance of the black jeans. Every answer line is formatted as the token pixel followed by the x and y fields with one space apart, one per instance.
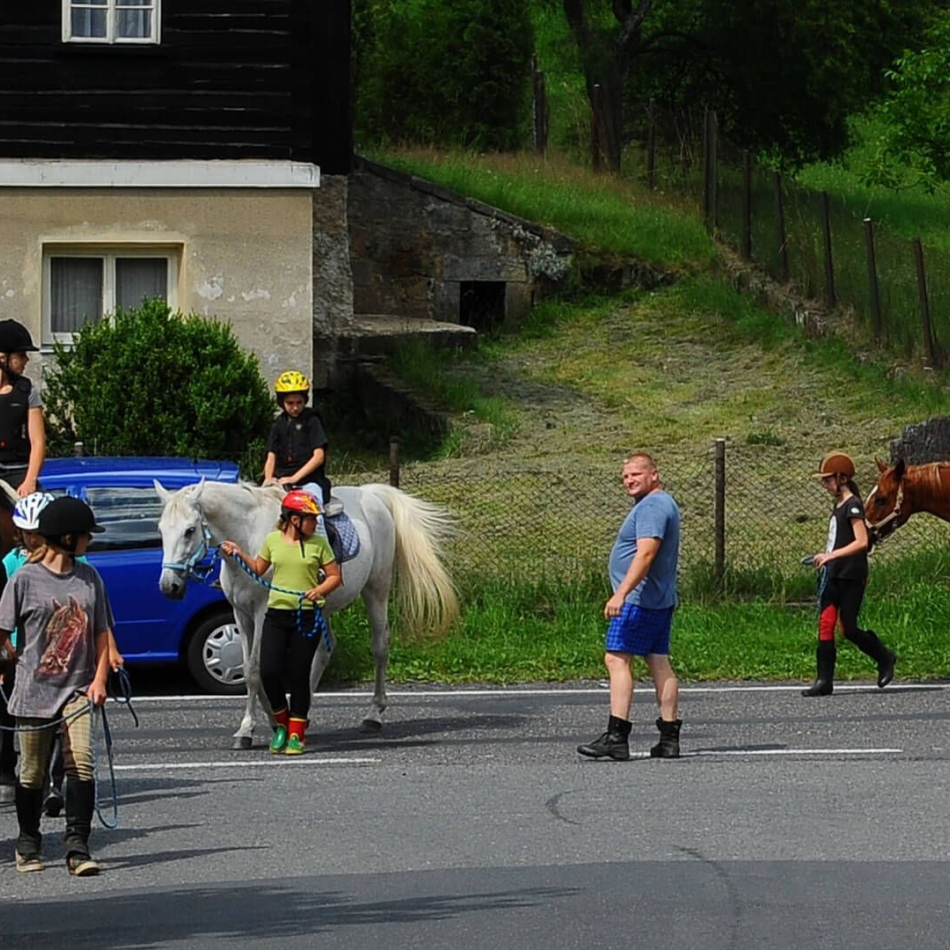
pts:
pixel 287 652
pixel 839 603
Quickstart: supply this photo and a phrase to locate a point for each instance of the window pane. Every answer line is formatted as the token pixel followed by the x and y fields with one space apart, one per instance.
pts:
pixel 129 515
pixel 75 292
pixel 137 278
pixel 133 23
pixel 135 3
pixel 90 23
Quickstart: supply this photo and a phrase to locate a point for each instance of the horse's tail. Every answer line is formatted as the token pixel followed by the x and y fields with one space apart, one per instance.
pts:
pixel 425 594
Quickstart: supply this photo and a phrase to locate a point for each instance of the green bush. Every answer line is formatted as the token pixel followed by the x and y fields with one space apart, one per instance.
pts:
pixel 152 382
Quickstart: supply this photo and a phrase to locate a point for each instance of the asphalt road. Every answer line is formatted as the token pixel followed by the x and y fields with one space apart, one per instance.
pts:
pixel 471 822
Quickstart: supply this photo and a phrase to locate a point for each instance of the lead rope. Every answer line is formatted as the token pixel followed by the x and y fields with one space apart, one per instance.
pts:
pixel 319 621
pixel 125 700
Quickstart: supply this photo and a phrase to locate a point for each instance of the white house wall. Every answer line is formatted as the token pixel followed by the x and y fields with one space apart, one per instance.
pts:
pixel 245 254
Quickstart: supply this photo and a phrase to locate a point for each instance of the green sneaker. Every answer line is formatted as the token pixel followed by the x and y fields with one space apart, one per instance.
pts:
pixel 278 743
pixel 295 746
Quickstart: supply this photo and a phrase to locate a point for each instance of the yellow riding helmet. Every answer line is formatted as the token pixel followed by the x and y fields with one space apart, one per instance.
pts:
pixel 292 382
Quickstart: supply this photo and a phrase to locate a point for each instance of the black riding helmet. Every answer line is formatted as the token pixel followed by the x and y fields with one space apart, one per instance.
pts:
pixel 15 338
pixel 67 515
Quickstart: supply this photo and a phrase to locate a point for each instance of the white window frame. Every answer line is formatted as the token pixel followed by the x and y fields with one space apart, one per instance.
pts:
pixel 108 253
pixel 110 37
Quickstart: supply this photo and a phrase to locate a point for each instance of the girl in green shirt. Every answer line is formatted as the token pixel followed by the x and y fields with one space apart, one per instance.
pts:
pixel 297 554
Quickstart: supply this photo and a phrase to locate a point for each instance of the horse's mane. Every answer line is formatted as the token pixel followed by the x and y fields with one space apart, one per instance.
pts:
pixel 929 477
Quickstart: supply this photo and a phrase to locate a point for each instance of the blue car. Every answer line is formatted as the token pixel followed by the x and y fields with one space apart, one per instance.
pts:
pixel 198 630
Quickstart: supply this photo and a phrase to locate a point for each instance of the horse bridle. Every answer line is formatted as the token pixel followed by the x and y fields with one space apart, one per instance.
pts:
pixel 191 566
pixel 893 516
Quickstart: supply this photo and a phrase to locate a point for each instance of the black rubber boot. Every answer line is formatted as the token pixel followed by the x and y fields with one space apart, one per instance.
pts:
pixel 825 682
pixel 613 744
pixel 29 809
pixel 868 642
pixel 80 804
pixel 669 745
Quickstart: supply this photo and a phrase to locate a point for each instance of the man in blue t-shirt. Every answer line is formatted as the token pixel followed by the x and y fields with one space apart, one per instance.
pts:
pixel 642 570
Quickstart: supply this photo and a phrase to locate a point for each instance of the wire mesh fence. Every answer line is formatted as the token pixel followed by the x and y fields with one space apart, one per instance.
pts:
pixel 543 520
pixel 898 293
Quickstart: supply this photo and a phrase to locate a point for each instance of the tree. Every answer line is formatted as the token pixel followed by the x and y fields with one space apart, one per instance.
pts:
pixel 445 73
pixel 784 76
pixel 915 127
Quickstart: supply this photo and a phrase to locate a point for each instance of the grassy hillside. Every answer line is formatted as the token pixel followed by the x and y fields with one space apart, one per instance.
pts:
pixel 533 477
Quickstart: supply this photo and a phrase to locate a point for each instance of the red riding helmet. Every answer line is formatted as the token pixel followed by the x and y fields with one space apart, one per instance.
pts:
pixel 300 503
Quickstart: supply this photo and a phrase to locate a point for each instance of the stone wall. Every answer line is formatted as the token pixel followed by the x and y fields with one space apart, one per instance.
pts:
pixel 922 443
pixel 414 245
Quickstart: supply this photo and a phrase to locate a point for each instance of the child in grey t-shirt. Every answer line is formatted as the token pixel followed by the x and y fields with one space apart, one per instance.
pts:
pixel 61 612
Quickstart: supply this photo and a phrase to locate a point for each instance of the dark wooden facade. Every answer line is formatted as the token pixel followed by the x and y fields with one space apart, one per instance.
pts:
pixel 259 79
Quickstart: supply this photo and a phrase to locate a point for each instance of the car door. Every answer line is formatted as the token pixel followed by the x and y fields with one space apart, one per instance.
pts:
pixel 128 555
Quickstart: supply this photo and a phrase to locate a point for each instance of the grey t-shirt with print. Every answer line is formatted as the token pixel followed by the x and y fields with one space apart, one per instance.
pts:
pixel 58 617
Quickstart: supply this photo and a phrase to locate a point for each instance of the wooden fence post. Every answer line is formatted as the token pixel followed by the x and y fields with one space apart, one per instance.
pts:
pixel 930 349
pixel 873 288
pixel 395 460
pixel 746 205
pixel 540 116
pixel 780 229
pixel 596 157
pixel 651 145
pixel 719 508
pixel 710 162
pixel 831 298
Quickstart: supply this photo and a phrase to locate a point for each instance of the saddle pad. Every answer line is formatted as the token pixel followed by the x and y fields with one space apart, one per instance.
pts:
pixel 343 537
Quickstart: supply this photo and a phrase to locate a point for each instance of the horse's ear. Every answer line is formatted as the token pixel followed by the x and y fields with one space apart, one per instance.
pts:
pixel 162 492
pixel 197 489
pixel 881 467
pixel 899 469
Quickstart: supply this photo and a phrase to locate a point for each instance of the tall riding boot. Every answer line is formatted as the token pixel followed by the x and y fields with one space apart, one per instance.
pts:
pixel 669 745
pixel 868 642
pixel 29 809
pixel 80 804
pixel 613 744
pixel 825 682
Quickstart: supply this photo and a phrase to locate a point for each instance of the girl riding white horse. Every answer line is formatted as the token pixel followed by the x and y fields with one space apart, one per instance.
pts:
pixel 399 535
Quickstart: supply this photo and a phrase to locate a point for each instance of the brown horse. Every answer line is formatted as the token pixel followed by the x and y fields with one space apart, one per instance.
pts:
pixel 903 490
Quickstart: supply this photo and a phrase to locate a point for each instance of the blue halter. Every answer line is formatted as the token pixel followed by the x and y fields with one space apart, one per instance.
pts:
pixel 191 567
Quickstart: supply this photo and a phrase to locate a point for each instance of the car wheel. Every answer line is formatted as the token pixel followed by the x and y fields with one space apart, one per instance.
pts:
pixel 215 656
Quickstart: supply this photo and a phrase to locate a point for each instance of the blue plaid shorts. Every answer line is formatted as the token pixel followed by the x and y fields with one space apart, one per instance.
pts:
pixel 640 631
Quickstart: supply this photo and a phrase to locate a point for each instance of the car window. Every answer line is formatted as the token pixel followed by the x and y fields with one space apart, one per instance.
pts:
pixel 129 515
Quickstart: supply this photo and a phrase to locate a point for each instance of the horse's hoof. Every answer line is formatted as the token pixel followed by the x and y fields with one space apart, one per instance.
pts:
pixel 371 726
pixel 242 743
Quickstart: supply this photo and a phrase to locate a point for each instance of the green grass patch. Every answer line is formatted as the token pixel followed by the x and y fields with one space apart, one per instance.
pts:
pixel 551 630
pixel 601 212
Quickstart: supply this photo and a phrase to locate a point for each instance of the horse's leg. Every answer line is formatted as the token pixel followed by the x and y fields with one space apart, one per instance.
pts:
pixel 377 607
pixel 321 658
pixel 250 626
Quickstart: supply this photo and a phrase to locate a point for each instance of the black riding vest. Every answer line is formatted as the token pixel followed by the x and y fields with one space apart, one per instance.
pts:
pixel 295 446
pixel 14 409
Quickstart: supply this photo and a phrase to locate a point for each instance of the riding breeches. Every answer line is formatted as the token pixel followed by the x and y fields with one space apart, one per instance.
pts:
pixel 839 603
pixel 287 656
pixel 36 744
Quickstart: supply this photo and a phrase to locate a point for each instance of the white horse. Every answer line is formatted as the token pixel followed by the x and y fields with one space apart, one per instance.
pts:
pixel 398 534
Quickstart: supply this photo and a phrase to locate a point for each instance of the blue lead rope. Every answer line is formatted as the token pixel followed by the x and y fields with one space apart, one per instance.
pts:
pixel 320 624
pixel 125 699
